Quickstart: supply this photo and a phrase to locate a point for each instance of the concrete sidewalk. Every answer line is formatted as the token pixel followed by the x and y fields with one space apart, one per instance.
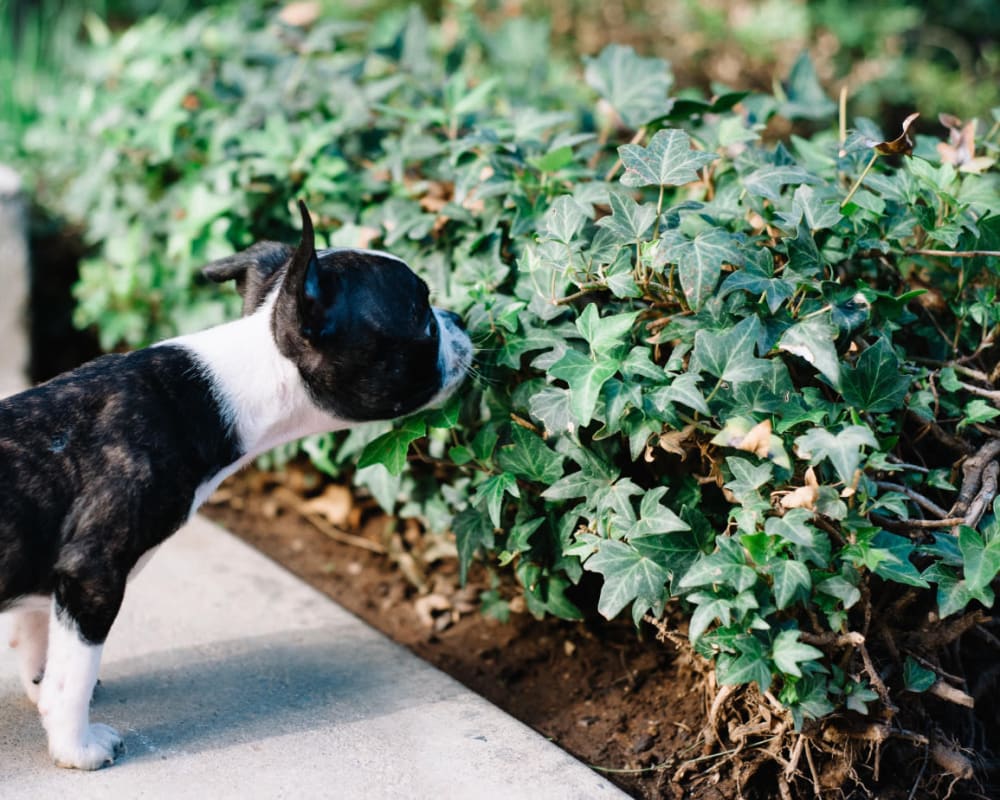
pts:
pixel 231 678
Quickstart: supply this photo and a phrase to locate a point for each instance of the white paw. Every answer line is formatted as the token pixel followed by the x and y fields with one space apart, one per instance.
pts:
pixel 98 748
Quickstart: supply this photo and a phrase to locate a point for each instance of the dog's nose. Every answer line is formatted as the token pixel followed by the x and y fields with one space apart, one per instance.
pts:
pixel 454 319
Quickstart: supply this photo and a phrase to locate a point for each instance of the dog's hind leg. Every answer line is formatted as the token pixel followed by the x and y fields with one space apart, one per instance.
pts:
pixel 29 636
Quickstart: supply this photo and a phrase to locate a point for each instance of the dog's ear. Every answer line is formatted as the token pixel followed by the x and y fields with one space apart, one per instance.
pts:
pixel 311 290
pixel 253 270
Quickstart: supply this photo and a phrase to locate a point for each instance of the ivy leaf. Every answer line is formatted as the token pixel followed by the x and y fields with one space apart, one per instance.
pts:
pixel 982 563
pixel 628 576
pixel 699 260
pixel 805 98
pixel 788 652
pixel 551 406
pixel 813 340
pixel 726 566
pixel 875 384
pixel 917 678
pixel 843 448
pixel 768 181
pixel 390 448
pixel 529 457
pixel 759 280
pixel 896 564
pixel 491 493
pixel 564 219
pixel 729 354
pixel 585 378
pixel 792 527
pixel 635 87
pixel 629 221
pixel 684 390
pixel 792 581
pixel 751 665
pixel 709 608
pixel 473 531
pixel 605 334
pixel 668 160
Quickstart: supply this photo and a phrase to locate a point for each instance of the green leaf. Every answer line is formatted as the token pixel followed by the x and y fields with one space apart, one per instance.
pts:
pixel 813 340
pixel 605 334
pixel 585 378
pixel 529 457
pixel 551 406
pixel 982 563
pixel 628 576
pixel 629 221
pixel 793 527
pixel 491 493
pixel 792 582
pixel 917 678
pixel 729 354
pixel 874 384
pixel 759 280
pixel 767 181
pixel 751 665
pixel 668 160
pixel 895 564
pixel 843 448
pixel 473 531
pixel 805 98
pixel 635 87
pixel 699 260
pixel 390 448
pixel 788 652
pixel 978 411
pixel 709 608
pixel 726 566
pixel 684 390
pixel 564 219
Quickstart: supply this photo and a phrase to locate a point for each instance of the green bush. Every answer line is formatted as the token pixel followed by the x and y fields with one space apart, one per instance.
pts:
pixel 714 369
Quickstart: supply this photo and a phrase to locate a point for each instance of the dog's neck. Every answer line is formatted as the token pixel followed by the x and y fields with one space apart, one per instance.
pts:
pixel 260 392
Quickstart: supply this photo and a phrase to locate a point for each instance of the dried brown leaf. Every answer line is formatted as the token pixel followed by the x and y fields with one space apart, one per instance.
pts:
pixel 334 505
pixel 902 144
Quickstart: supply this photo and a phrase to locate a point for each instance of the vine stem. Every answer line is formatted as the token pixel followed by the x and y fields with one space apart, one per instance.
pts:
pixel 951 253
pixel 861 177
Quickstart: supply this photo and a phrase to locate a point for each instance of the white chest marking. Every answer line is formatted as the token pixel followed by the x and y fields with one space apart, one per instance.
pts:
pixel 259 391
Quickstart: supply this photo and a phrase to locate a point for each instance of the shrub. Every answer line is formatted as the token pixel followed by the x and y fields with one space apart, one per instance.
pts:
pixel 752 379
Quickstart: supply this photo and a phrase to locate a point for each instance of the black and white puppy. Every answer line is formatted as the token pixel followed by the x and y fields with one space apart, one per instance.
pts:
pixel 100 465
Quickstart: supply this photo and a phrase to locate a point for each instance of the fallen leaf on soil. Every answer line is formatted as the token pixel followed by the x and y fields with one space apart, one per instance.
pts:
pixel 334 505
pixel 426 607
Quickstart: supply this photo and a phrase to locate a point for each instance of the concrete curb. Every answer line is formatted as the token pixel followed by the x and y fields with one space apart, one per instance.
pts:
pixel 231 678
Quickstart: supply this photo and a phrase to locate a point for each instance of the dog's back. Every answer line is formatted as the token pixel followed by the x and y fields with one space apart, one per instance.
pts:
pixel 103 462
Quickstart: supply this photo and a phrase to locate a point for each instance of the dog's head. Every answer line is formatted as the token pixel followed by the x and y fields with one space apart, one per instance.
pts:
pixel 357 324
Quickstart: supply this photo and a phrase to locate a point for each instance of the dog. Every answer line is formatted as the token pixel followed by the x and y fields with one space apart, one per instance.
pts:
pixel 102 464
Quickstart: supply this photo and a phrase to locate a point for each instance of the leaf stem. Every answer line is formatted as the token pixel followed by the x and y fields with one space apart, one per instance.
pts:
pixel 861 177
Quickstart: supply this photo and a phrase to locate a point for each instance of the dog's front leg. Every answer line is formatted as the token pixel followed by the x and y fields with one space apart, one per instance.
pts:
pixel 66 691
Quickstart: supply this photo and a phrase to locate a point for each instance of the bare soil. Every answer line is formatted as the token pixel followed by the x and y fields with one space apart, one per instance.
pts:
pixel 634 708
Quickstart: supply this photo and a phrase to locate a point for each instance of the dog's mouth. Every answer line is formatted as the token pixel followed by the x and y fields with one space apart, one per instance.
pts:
pixel 454 352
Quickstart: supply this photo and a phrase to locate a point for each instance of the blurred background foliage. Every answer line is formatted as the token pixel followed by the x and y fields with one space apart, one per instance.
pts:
pixel 895 55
